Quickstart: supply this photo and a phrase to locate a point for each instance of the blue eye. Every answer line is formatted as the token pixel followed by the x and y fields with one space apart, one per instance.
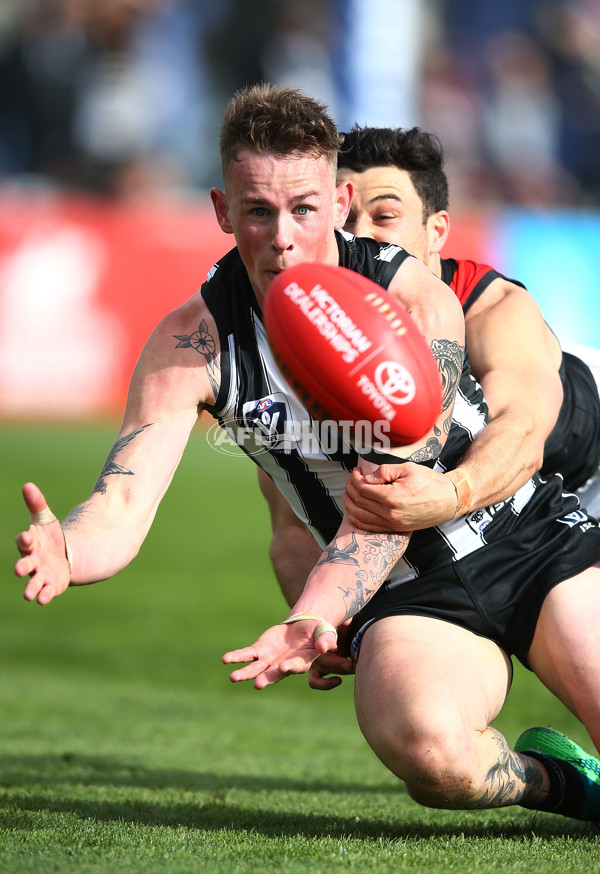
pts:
pixel 303 210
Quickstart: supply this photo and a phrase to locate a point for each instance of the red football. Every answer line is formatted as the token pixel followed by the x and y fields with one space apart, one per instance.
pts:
pixel 351 351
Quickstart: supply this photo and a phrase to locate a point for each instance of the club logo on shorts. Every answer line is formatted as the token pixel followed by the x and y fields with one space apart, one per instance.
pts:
pixel 576 517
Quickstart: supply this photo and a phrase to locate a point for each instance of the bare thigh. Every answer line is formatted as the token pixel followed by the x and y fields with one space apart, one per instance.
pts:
pixel 427 690
pixel 565 652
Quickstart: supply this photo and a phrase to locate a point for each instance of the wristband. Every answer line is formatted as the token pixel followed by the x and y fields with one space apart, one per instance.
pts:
pixel 320 628
pixel 463 488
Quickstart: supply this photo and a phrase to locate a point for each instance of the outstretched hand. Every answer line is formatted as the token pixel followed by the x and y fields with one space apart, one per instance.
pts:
pixel 43 556
pixel 280 651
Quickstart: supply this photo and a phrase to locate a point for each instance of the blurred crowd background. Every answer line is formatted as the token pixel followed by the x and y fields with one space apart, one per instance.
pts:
pixel 109 122
pixel 123 98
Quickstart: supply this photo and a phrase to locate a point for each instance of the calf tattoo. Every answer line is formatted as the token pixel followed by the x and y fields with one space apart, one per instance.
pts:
pixel 111 466
pixel 513 779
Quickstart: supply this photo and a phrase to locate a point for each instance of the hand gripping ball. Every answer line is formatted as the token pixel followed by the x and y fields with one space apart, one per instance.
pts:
pixel 351 351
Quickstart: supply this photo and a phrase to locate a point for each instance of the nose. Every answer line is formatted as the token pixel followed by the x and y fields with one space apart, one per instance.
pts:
pixel 363 227
pixel 282 234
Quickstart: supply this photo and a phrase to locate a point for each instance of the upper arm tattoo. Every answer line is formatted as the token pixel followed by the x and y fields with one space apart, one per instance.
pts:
pixel 449 356
pixel 111 466
pixel 204 344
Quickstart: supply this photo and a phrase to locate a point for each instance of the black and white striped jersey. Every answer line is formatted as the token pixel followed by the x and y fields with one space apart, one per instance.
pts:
pixel 308 460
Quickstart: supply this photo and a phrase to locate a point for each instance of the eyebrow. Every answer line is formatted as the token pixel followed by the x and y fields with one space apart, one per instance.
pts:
pixel 262 200
pixel 389 196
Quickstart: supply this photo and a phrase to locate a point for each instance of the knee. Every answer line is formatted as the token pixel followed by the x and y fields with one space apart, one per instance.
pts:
pixel 438 767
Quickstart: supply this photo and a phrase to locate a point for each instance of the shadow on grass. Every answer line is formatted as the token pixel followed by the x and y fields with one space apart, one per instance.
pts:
pixel 219 816
pixel 77 770
pixel 216 814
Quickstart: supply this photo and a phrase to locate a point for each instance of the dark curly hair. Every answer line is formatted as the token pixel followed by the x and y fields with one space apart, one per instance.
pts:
pixel 419 153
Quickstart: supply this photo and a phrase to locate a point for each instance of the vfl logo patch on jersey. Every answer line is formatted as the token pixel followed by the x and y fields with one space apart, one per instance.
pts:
pixel 268 420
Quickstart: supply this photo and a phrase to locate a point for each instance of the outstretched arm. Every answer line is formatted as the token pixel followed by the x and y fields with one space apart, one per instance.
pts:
pixel 105 532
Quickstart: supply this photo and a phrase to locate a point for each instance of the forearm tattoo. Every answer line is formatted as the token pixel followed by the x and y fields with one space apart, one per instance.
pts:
pixel 72 520
pixel 111 466
pixel 431 450
pixel 449 355
pixel 511 780
pixel 204 344
pixel 374 555
pixel 344 555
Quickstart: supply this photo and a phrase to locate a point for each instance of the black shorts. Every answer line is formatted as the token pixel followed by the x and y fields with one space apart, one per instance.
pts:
pixel 573 446
pixel 496 592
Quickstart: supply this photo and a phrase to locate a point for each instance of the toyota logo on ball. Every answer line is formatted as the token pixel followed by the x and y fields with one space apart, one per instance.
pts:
pixel 395 382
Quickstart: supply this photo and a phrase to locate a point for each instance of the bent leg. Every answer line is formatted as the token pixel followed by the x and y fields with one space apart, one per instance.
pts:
pixel 426 692
pixel 565 653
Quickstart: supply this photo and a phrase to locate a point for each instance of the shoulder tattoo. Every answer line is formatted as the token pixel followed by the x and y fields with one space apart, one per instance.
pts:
pixel 204 344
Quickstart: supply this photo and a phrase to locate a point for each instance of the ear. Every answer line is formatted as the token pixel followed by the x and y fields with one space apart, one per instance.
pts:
pixel 438 228
pixel 219 201
pixel 343 200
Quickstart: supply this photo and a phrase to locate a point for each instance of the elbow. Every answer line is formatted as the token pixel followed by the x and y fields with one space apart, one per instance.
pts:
pixel 532 456
pixel 535 462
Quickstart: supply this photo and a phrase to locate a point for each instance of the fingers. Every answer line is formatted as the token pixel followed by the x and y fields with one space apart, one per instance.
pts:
pixel 249 672
pixel 247 654
pixel 42 592
pixel 368 522
pixel 386 473
pixel 24 542
pixel 34 498
pixel 322 684
pixel 326 664
pixel 363 513
pixel 325 640
pixel 268 669
pixel 264 673
pixel 365 495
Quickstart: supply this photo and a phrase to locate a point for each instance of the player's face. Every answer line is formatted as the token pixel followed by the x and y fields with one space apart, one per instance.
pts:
pixel 282 211
pixel 386 207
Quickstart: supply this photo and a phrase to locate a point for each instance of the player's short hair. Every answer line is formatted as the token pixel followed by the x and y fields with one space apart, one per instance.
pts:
pixel 280 121
pixel 417 152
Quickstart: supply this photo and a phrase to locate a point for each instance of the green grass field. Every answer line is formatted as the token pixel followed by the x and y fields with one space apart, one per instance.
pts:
pixel 124 748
